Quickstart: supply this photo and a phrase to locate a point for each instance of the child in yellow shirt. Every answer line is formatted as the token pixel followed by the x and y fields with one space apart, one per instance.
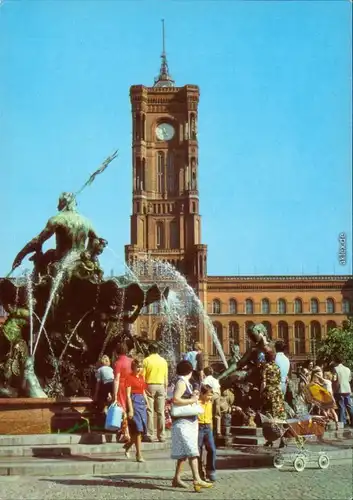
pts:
pixel 206 434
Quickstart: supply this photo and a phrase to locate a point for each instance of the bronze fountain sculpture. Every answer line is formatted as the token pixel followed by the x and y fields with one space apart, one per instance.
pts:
pixel 66 314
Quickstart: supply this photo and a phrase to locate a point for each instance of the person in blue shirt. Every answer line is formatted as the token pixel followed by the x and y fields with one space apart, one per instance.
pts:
pixel 195 357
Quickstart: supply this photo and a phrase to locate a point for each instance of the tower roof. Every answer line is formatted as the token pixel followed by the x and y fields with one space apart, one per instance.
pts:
pixel 164 79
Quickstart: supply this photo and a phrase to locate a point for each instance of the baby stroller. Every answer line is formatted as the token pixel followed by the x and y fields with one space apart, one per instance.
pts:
pixel 301 430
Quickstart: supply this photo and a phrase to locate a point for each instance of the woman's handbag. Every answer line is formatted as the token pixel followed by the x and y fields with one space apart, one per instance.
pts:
pixel 114 418
pixel 192 410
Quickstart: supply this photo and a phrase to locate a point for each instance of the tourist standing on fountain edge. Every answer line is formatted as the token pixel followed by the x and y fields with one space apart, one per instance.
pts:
pixel 155 372
pixel 122 368
pixel 105 383
pixel 195 357
pixel 283 364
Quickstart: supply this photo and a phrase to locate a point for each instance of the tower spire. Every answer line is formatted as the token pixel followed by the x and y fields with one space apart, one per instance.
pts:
pixel 164 79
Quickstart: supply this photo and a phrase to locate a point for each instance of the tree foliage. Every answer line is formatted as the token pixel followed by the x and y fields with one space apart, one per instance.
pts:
pixel 338 342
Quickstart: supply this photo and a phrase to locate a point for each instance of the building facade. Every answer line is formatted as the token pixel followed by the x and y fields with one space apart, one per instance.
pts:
pixel 166 225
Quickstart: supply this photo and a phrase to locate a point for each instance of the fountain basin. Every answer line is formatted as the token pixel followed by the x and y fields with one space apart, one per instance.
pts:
pixel 46 416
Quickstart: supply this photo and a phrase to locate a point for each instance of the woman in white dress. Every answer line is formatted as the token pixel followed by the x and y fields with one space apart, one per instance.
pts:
pixel 185 430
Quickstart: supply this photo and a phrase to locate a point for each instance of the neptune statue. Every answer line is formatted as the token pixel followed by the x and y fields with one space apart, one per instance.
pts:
pixel 65 315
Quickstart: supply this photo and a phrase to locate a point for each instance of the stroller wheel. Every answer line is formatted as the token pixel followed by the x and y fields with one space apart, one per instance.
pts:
pixel 323 461
pixel 278 461
pixel 299 464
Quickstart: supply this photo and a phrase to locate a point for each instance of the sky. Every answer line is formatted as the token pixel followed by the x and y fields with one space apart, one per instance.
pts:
pixel 275 126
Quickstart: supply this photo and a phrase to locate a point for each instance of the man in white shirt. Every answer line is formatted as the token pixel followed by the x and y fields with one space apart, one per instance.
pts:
pixel 342 390
pixel 212 382
pixel 283 364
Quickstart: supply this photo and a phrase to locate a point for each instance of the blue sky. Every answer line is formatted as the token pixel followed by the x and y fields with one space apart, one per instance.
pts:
pixel 275 125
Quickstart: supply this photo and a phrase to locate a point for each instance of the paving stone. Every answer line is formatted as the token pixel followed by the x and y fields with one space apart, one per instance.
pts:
pixel 264 484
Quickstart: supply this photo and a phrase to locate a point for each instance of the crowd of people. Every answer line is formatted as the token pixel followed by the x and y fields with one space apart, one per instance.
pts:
pixel 140 387
pixel 326 390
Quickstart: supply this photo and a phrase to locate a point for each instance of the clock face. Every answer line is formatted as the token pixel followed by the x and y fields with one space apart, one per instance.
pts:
pixel 165 132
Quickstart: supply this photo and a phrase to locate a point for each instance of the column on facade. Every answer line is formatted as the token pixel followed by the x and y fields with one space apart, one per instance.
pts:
pixel 323 330
pixel 291 340
pixel 307 339
pixel 242 337
pixel 225 339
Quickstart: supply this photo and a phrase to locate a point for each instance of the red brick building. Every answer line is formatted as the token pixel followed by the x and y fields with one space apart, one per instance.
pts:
pixel 166 224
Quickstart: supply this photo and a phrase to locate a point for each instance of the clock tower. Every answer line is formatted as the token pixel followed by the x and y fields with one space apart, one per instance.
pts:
pixel 165 220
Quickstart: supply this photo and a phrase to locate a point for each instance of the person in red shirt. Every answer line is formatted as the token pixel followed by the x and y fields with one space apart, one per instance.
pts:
pixel 122 368
pixel 136 408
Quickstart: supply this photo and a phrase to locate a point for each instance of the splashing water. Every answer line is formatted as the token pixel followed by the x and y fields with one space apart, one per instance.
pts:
pixel 29 289
pixel 129 273
pixel 54 359
pixel 65 265
pixel 177 311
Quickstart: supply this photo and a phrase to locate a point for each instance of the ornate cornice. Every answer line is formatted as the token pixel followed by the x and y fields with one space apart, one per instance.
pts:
pixel 324 277
pixel 230 283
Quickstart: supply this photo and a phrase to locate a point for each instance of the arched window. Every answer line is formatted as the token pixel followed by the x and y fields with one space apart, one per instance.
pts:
pixel 216 306
pixel 234 336
pixel 249 306
pixel 174 235
pixel 143 174
pixel 346 306
pixel 283 332
pixel 144 335
pixel 315 335
pixel 265 306
pixel 299 337
pixel 314 306
pixel 330 325
pixel 281 306
pixel 232 306
pixel 145 310
pixel 190 305
pixel 219 332
pixel 248 325
pixel 268 327
pixel 154 308
pixel 298 306
pixel 159 333
pixel 159 235
pixel 330 306
pixel 172 181
pixel 143 127
pixel 160 172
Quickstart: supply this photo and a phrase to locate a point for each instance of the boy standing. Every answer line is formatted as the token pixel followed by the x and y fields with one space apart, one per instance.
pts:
pixel 206 435
pixel 212 382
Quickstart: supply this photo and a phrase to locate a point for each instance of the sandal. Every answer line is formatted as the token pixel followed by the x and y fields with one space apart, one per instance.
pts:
pixel 198 485
pixel 178 483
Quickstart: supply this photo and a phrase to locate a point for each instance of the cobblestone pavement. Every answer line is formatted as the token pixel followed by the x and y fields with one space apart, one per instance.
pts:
pixel 334 483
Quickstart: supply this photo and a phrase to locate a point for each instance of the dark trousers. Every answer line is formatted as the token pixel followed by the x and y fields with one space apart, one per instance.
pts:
pixel 206 440
pixel 103 392
pixel 344 403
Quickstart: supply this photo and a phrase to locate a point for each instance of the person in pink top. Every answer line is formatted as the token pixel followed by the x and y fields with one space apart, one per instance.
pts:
pixel 122 368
